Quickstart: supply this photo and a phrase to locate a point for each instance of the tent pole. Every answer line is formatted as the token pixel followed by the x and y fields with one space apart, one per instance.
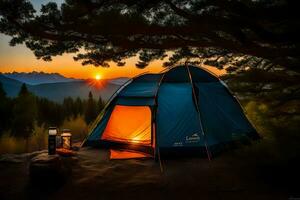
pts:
pixel 203 133
pixel 160 162
pixel 155 124
pixel 199 115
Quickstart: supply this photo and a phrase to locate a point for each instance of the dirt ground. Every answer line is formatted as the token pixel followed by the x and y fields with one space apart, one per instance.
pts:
pixel 94 176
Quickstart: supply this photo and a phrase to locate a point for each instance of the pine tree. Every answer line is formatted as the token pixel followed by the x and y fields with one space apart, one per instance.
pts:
pixel 91 109
pixel 68 106
pixel 2 92
pixel 100 104
pixel 49 113
pixel 23 91
pixel 25 113
pixel 5 110
pixel 78 107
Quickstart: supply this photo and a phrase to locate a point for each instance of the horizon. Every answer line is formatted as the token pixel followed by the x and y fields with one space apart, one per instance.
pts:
pixel 49 73
pixel 213 70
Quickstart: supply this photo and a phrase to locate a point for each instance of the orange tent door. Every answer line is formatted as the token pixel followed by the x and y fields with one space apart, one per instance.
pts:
pixel 129 124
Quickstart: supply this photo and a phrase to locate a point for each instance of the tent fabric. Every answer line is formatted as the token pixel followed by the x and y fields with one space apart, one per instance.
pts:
pixel 123 154
pixel 139 90
pixel 221 123
pixel 200 75
pixel 177 75
pixel 177 118
pixel 129 124
pixel 98 130
pixel 184 107
pixel 143 86
pixel 135 101
pixel 148 78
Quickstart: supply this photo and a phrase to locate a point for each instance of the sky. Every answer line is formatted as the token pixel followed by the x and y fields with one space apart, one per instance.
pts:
pixel 21 59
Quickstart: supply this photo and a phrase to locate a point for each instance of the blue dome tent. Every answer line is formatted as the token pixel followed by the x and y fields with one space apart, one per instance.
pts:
pixel 184 109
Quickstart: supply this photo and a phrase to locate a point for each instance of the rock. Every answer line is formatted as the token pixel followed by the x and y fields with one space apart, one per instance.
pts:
pixel 292 73
pixel 267 87
pixel 12 158
pixel 44 158
pixel 19 158
pixel 291 107
pixel 222 60
pixel 278 68
pixel 49 169
pixel 76 146
pixel 286 91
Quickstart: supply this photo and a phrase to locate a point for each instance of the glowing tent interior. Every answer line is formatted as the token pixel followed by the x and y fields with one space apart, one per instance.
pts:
pixel 184 109
pixel 129 124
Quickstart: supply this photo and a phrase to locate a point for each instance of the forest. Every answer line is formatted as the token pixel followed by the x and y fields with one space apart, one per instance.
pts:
pixel 26 118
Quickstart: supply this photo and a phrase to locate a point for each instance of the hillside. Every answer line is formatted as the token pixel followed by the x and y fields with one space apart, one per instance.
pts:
pixel 58 91
pixel 35 78
pixel 10 86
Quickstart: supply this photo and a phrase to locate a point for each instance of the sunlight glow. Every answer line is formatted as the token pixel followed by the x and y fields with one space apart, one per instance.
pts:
pixel 136 139
pixel 98 77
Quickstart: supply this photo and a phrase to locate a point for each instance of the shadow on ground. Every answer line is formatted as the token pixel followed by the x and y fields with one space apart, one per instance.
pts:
pixel 94 176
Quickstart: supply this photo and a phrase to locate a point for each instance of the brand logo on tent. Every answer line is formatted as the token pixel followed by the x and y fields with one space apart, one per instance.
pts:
pixel 193 138
pixel 177 144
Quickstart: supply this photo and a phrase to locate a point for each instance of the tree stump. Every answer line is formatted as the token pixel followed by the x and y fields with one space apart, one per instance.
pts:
pixel 48 169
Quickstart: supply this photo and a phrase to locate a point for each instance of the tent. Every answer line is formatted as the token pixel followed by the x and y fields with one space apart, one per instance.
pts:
pixel 184 109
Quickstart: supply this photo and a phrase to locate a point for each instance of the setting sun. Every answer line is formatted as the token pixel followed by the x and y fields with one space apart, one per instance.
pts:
pixel 98 77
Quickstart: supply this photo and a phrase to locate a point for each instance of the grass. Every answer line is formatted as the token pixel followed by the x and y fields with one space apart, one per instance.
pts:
pixel 39 138
pixel 37 141
pixel 276 157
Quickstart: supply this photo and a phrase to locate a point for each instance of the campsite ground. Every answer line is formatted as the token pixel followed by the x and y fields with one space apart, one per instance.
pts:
pixel 94 176
pixel 266 169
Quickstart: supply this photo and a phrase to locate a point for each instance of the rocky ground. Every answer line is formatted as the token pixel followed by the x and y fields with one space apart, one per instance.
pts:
pixel 91 175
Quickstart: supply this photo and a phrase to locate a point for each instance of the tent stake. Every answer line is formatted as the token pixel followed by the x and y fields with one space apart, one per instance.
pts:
pixel 159 160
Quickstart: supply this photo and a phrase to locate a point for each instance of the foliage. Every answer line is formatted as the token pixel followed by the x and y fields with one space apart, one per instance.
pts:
pixel 196 29
pixel 25 113
pixel 91 109
pixel 78 126
pixel 2 92
pixel 21 116
pixel 275 158
pixel 5 110
pixel 49 113
pixel 271 102
pixel 38 139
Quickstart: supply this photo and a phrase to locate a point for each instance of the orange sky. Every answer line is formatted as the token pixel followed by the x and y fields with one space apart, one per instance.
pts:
pixel 21 59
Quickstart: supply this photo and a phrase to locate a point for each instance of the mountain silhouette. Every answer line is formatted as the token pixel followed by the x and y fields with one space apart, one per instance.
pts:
pixel 35 78
pixel 59 90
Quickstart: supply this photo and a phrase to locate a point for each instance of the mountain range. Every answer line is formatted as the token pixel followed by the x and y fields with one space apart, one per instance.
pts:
pixel 56 87
pixel 35 78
